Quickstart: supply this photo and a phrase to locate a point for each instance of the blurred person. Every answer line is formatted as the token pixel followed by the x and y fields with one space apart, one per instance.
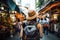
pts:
pixel 20 29
pixel 32 30
pixel 46 26
pixel 39 20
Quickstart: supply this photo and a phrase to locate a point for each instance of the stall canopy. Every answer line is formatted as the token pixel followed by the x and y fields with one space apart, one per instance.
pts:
pixel 10 4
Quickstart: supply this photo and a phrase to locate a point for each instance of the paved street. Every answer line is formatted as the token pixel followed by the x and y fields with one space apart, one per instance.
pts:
pixel 15 37
pixel 45 37
pixel 50 37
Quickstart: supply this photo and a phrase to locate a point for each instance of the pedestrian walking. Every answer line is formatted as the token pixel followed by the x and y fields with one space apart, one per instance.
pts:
pixel 45 26
pixel 32 29
pixel 20 29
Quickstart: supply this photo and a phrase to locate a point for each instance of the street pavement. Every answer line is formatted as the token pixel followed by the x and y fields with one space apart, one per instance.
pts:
pixel 50 37
pixel 45 37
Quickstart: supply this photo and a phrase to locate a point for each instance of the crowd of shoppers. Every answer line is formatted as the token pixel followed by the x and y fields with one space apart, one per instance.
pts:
pixel 32 29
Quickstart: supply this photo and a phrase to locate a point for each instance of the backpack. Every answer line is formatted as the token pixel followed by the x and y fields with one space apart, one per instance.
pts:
pixel 31 32
pixel 30 29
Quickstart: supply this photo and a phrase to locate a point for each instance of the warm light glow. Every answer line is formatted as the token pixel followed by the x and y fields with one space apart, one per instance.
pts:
pixel 13 11
pixel 2 8
pixel 55 16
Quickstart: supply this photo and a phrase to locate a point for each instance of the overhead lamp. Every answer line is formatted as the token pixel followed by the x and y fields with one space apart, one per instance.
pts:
pixel 2 8
pixel 55 16
pixel 15 11
pixel 12 11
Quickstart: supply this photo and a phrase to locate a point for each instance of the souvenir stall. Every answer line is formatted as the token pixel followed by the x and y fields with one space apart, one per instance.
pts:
pixel 4 25
pixel 8 22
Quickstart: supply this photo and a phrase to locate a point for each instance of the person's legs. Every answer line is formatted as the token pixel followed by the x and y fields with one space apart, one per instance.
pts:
pixel 46 31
